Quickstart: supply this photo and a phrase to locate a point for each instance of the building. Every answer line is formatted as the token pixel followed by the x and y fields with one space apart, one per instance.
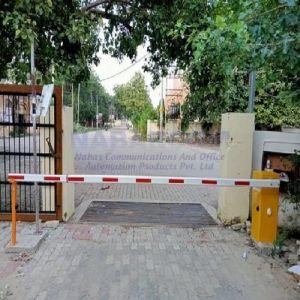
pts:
pixel 176 95
pixel 14 110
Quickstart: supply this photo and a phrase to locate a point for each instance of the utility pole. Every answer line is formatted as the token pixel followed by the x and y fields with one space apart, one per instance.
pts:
pixel 72 95
pixel 92 104
pixel 161 112
pixel 35 166
pixel 251 100
pixel 78 103
pixel 97 112
pixel 166 96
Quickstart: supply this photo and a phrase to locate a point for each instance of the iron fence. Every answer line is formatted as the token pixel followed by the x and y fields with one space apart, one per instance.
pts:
pixel 16 152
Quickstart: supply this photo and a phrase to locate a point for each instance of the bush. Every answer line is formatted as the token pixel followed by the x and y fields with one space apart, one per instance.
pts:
pixel 82 129
pixel 294 185
pixel 140 120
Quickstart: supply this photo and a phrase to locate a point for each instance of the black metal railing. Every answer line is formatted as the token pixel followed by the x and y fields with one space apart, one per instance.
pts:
pixel 16 152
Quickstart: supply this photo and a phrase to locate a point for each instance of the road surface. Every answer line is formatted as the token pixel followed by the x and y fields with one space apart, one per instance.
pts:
pixel 109 261
pixel 115 152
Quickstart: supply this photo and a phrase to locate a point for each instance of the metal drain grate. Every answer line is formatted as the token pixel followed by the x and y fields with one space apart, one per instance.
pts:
pixel 176 214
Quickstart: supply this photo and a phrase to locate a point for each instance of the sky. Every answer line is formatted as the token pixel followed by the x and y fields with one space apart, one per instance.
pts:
pixel 109 66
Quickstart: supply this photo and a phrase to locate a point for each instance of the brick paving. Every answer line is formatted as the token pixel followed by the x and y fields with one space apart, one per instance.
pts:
pixel 109 261
pixel 120 262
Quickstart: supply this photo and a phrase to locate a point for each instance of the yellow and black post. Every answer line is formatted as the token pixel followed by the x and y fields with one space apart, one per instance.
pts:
pixel 265 202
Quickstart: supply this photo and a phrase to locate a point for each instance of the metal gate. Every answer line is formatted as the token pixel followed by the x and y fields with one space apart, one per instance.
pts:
pixel 16 152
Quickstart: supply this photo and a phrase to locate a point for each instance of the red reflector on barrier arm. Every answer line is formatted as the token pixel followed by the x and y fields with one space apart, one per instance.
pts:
pixel 75 179
pixel 241 183
pixel 207 181
pixel 52 178
pixel 17 177
pixel 143 180
pixel 109 179
pixel 176 180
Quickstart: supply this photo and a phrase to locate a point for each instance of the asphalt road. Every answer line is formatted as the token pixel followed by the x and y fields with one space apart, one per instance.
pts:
pixel 116 152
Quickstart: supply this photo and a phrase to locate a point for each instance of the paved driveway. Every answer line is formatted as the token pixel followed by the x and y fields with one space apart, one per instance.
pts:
pixel 112 262
pixel 115 152
pixel 109 261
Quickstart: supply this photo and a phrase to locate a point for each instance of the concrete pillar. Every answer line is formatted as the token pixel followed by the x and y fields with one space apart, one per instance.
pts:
pixel 152 129
pixel 148 130
pixel 236 151
pixel 47 164
pixel 68 193
pixel 173 126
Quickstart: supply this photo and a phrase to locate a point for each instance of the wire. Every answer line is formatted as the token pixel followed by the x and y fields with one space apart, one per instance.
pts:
pixel 265 12
pixel 124 70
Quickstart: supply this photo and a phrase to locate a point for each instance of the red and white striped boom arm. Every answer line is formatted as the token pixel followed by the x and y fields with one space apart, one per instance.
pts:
pixel 272 183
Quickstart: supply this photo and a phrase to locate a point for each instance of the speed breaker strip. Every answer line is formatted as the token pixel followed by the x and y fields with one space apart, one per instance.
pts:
pixel 225 182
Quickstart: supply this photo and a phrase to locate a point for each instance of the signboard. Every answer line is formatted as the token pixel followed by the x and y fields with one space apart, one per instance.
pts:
pixel 45 99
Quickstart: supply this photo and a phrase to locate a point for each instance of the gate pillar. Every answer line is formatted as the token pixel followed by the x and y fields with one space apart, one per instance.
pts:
pixel 68 203
pixel 236 153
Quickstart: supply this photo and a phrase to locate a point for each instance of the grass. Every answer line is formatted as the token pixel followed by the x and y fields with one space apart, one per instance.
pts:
pixel 82 129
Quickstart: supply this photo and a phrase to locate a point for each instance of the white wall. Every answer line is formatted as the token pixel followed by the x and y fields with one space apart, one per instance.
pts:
pixel 152 129
pixel 273 141
pixel 195 126
pixel 172 126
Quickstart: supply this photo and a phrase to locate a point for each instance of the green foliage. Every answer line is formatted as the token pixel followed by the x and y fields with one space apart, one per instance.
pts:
pixel 186 118
pixel 141 123
pixel 233 44
pixel 66 39
pixel 132 98
pixel 272 113
pixel 295 159
pixel 217 44
pixel 90 91
pixel 279 243
pixel 294 186
pixel 283 235
pixel 132 101
pixel 82 129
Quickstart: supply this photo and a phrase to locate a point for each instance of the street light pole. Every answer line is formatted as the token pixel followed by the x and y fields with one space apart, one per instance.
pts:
pixel 97 112
pixel 92 104
pixel 161 112
pixel 72 96
pixel 78 103
pixel 252 78
pixel 35 166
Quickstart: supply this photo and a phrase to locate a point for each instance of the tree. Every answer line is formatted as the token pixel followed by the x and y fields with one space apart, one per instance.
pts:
pixel 217 44
pixel 133 102
pixel 91 92
pixel 66 38
pixel 239 37
pixel 132 98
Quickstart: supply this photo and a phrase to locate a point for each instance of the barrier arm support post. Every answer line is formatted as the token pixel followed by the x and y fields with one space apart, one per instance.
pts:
pixel 14 187
pixel 265 203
